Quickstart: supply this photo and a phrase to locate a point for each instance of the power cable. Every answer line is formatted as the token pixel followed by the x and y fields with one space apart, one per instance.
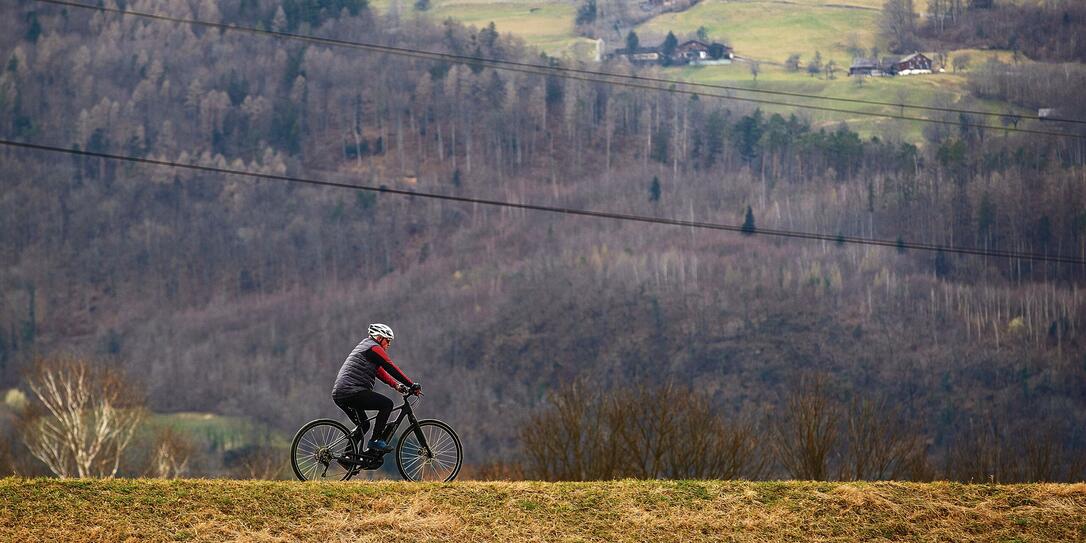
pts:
pixel 576 74
pixel 635 77
pixel 838 238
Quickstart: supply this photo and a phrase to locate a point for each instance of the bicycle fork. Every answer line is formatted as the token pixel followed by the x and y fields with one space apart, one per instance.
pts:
pixel 423 445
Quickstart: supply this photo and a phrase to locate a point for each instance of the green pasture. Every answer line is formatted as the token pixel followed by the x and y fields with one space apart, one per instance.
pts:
pixel 546 24
pixel 217 432
pixel 945 89
pixel 767 31
pixel 770 31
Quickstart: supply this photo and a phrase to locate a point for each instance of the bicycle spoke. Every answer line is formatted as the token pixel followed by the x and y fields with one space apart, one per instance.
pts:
pixel 316 452
pixel 415 473
pixel 411 462
pixel 313 444
pixel 428 452
pixel 440 442
pixel 448 451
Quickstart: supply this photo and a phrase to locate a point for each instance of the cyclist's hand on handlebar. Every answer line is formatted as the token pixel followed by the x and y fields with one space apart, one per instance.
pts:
pixel 416 389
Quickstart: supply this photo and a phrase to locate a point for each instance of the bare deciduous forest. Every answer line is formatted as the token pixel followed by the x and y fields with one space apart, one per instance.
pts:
pixel 238 297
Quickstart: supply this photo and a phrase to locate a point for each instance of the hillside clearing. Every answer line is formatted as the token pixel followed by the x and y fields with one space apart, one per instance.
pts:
pixel 209 510
pixel 945 89
pixel 764 30
pixel 546 24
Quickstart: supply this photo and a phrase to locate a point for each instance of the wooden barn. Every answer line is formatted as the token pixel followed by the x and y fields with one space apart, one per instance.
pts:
pixel 865 66
pixel 916 63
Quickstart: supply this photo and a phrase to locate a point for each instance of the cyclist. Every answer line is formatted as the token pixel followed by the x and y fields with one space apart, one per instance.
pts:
pixel 353 391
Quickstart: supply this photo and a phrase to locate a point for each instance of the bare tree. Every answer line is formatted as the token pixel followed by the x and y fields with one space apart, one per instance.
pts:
pixel 644 431
pixel 978 454
pixel 755 69
pixel 7 459
pixel 567 442
pixel 961 61
pixel 90 415
pixel 806 434
pixel 792 63
pixel 881 443
pixel 171 454
pixel 712 447
pixel 897 26
pixel 257 461
pixel 831 69
pixel 646 426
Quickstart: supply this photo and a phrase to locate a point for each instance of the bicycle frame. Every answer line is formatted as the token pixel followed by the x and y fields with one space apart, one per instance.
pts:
pixel 405 411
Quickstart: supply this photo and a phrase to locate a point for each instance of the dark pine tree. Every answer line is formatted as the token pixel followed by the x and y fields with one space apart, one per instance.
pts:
pixel 668 48
pixel 748 223
pixel 942 264
pixel 33 29
pixel 654 189
pixel 586 14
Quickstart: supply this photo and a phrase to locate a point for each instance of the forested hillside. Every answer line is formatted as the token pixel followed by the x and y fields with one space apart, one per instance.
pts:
pixel 240 297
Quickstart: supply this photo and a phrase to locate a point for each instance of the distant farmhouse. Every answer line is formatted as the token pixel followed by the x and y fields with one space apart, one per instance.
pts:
pixel 916 63
pixel 693 52
pixel 639 55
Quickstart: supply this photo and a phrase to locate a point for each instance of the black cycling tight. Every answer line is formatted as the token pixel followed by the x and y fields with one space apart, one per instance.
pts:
pixel 358 403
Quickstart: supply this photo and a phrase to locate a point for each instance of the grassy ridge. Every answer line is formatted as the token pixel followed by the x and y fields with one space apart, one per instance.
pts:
pixel 208 510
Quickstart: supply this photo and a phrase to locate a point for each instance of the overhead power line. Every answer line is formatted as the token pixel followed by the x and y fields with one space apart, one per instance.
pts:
pixel 633 77
pixel 836 238
pixel 586 75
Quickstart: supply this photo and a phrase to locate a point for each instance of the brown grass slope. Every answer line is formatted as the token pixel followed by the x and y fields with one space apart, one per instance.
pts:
pixel 631 510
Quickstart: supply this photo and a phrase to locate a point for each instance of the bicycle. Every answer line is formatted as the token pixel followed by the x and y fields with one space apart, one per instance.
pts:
pixel 428 450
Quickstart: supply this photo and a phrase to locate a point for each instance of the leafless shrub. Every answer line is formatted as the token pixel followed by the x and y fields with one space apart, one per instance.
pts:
pixel 882 444
pixel 7 459
pixel 84 417
pixel 713 448
pixel 256 462
pixel 642 431
pixel 1045 454
pixel 673 432
pixel 806 434
pixel 961 61
pixel 568 441
pixel 646 428
pixel 170 454
pixel 977 454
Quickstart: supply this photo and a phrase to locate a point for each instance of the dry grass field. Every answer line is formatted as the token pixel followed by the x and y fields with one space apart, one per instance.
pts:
pixel 209 510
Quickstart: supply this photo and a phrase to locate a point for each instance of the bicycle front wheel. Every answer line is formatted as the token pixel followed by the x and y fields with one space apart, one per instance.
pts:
pixel 429 451
pixel 317 450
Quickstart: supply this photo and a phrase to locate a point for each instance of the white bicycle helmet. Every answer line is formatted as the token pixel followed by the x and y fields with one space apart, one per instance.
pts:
pixel 377 330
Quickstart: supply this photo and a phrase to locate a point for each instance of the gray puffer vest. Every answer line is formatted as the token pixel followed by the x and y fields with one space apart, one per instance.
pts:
pixel 357 373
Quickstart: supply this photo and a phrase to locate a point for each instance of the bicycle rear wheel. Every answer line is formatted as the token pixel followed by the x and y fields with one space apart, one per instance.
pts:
pixel 437 457
pixel 317 448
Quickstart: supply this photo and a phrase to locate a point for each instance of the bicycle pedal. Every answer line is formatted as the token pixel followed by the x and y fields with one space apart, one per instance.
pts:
pixel 353 459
